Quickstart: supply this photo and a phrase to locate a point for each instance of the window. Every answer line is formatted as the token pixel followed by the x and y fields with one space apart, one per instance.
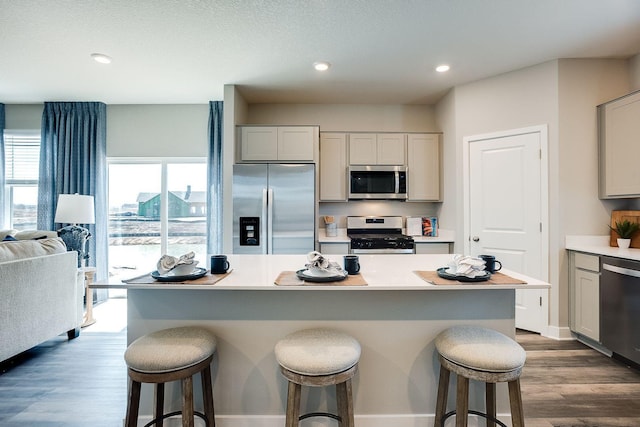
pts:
pixel 22 159
pixel 156 207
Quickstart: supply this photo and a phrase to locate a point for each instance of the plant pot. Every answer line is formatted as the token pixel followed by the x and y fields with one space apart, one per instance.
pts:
pixel 624 243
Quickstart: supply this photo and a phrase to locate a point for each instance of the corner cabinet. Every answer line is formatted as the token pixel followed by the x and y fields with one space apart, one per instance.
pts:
pixel 333 167
pixel 278 143
pixel 584 294
pixel 619 147
pixel 424 162
pixel 377 149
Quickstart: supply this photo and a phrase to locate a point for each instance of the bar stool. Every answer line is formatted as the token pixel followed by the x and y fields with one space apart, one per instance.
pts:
pixel 319 357
pixel 480 354
pixel 171 355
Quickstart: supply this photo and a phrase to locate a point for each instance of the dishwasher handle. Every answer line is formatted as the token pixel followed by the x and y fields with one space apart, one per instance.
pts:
pixel 621 270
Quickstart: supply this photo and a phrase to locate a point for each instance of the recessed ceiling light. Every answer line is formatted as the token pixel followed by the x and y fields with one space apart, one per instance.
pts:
pixel 321 66
pixel 101 58
pixel 442 68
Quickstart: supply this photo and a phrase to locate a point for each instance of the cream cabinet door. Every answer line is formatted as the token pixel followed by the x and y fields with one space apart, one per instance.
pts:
pixel 363 149
pixel 619 128
pixel 423 164
pixel 333 167
pixel 585 294
pixel 391 149
pixel 259 143
pixel 295 143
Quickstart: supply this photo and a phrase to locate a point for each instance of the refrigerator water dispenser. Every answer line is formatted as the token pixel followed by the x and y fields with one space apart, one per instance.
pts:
pixel 249 231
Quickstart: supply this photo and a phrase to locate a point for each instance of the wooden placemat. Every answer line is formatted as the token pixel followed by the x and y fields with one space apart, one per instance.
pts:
pixel 208 279
pixel 495 279
pixel 289 278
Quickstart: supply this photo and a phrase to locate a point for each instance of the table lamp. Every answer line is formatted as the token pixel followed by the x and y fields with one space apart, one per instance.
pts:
pixel 75 209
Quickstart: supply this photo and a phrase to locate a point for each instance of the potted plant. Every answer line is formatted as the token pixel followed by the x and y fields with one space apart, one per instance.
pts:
pixel 625 230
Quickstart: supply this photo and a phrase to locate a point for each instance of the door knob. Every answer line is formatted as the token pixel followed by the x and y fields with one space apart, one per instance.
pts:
pixel 476 239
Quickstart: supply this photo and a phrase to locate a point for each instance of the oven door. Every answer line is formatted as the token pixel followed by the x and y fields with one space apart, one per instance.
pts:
pixel 377 182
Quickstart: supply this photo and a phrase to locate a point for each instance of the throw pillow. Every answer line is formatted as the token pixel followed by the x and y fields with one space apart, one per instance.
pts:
pixel 9 238
pixel 5 233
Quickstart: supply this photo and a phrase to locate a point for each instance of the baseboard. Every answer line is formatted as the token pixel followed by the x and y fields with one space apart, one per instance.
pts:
pixel 559 333
pixel 378 420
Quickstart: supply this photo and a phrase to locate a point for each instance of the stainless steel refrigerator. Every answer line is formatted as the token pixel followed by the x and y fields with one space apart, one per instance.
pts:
pixel 273 208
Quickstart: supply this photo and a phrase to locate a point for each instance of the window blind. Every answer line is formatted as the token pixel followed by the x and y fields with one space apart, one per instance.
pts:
pixel 22 155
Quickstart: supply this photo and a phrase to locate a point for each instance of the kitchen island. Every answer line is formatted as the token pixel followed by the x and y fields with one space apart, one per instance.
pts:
pixel 395 317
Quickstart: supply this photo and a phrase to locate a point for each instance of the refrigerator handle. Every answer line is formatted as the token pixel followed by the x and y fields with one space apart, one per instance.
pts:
pixel 265 218
pixel 270 223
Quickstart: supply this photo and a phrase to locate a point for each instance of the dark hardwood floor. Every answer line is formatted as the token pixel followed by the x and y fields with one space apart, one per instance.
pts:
pixel 83 382
pixel 565 384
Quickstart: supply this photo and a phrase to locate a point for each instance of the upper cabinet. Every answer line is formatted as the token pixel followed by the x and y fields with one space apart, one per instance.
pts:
pixel 424 168
pixel 618 133
pixel 377 149
pixel 278 143
pixel 333 167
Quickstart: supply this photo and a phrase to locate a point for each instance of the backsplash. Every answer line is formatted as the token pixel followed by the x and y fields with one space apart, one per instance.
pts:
pixel 340 211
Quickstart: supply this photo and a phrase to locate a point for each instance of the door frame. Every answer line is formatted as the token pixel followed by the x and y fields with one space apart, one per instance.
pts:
pixel 544 186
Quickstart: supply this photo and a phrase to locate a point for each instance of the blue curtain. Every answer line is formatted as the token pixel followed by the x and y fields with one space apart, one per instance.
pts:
pixel 2 172
pixel 214 179
pixel 73 159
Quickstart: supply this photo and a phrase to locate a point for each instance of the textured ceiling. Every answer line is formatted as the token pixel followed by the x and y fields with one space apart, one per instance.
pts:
pixel 382 51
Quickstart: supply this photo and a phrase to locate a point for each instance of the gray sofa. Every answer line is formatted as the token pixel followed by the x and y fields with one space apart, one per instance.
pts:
pixel 41 292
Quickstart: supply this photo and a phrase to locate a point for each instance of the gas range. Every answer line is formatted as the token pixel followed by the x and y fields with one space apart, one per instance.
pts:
pixel 378 234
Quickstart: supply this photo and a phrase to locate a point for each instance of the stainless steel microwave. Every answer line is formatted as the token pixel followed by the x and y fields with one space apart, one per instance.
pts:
pixel 378 182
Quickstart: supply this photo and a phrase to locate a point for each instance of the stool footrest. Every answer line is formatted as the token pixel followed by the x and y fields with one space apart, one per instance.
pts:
pixel 478 413
pixel 319 414
pixel 171 414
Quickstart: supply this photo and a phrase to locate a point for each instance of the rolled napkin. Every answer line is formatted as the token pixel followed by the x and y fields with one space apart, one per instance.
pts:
pixel 468 266
pixel 166 263
pixel 319 265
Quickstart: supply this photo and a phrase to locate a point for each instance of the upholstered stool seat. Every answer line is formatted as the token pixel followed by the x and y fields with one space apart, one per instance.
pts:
pixel 171 355
pixel 477 353
pixel 319 357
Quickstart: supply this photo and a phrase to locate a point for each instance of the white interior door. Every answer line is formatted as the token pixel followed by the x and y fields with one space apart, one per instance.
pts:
pixel 505 211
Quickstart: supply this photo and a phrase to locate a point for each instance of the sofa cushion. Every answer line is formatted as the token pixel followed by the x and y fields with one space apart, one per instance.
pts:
pixel 35 234
pixel 10 251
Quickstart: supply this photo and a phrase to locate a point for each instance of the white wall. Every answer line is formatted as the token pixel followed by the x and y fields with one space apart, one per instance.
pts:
pixel 347 118
pixel 157 130
pixel 23 116
pixel 562 95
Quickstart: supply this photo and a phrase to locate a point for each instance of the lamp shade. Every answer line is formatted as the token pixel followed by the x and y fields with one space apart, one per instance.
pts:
pixel 75 209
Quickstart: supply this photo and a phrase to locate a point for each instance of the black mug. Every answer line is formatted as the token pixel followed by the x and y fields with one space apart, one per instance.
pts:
pixel 351 264
pixel 490 263
pixel 219 264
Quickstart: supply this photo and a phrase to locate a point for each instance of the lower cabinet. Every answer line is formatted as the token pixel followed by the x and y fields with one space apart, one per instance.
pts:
pixel 584 294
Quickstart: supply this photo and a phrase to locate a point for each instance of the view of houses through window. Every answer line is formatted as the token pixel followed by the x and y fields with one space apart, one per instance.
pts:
pixel 155 208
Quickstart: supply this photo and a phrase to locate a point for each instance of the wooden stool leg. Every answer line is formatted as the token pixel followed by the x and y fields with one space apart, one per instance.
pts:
pixel 207 396
pixel 490 399
pixel 187 402
pixel 443 391
pixel 462 401
pixel 515 400
pixel 293 405
pixel 159 404
pixel 134 403
pixel 344 395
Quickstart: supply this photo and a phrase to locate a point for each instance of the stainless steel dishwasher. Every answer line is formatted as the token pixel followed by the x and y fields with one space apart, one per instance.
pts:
pixel 620 307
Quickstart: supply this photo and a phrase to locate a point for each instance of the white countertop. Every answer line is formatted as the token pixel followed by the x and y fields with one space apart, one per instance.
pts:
pixel 444 236
pixel 381 272
pixel 599 245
